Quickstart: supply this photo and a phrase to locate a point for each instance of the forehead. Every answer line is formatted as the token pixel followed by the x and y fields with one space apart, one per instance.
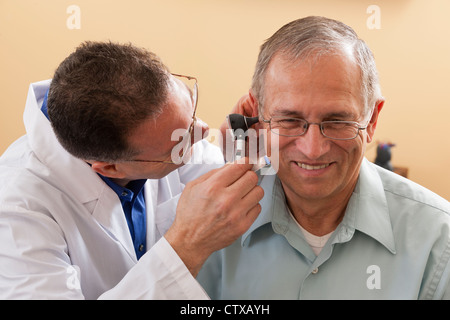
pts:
pixel 314 85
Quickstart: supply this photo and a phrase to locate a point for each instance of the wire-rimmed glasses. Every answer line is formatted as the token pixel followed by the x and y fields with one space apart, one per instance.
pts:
pixel 186 137
pixel 336 129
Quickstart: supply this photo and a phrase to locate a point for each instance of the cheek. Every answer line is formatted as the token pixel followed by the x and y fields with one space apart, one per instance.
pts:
pixel 183 122
pixel 350 147
pixel 158 173
pixel 352 153
pixel 274 146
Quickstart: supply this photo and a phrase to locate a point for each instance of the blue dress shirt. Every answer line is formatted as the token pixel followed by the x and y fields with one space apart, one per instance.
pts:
pixel 133 204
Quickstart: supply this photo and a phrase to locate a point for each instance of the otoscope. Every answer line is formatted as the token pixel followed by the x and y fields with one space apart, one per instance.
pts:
pixel 240 124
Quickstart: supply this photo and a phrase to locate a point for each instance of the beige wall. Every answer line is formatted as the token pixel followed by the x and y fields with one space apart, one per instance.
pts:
pixel 218 41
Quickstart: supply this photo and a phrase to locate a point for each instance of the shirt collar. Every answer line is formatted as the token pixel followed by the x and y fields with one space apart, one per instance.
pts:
pixel 273 199
pixel 44 107
pixel 367 210
pixel 125 194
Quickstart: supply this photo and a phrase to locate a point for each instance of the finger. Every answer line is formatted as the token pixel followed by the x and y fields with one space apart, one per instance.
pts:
pixel 244 184
pixel 253 197
pixel 250 217
pixel 253 213
pixel 231 172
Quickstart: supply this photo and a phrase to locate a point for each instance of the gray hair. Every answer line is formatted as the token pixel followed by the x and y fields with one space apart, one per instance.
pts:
pixel 317 36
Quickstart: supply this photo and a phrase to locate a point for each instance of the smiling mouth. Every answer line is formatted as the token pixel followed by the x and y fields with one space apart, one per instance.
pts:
pixel 312 167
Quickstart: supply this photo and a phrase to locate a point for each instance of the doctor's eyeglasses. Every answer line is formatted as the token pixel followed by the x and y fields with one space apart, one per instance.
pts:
pixel 192 86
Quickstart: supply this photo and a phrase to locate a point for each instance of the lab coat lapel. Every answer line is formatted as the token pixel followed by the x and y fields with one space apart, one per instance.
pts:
pixel 88 188
pixel 169 191
pixel 161 199
pixel 48 150
pixel 151 196
pixel 109 213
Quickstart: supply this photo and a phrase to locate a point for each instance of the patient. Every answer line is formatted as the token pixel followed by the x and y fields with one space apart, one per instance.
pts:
pixel 333 225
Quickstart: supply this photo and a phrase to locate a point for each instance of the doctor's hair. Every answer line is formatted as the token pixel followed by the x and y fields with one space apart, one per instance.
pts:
pixel 315 37
pixel 100 93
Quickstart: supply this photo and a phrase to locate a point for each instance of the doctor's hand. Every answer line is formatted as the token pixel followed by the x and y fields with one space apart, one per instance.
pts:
pixel 213 211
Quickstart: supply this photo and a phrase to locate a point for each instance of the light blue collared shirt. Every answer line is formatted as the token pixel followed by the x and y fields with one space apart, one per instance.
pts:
pixel 393 243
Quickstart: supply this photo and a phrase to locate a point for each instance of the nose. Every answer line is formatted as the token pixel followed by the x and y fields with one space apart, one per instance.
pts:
pixel 200 131
pixel 313 144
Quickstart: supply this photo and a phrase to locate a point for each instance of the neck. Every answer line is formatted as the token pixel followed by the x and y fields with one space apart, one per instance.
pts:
pixel 120 182
pixel 318 216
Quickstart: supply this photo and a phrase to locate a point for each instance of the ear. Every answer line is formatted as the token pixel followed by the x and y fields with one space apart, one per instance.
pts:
pixel 253 103
pixel 374 120
pixel 107 169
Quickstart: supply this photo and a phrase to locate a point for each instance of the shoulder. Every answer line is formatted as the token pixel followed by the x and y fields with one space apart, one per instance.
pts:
pixel 409 194
pixel 14 176
pixel 420 218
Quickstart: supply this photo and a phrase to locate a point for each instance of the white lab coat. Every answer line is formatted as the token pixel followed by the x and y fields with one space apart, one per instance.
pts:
pixel 63 233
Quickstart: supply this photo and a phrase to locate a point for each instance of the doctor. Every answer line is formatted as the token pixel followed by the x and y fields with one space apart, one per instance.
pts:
pixel 78 217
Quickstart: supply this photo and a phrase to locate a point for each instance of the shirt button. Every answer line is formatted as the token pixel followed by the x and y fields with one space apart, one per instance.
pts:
pixel 124 194
pixel 141 247
pixel 315 271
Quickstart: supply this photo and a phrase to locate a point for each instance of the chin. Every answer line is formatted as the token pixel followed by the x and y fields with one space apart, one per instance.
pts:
pixel 308 189
pixel 313 192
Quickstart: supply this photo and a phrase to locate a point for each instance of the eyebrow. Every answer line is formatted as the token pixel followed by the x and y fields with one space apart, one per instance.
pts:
pixel 330 115
pixel 287 113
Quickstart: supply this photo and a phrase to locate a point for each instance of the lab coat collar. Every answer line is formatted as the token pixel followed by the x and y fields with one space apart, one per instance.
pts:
pixel 48 150
pixel 75 176
pixel 367 210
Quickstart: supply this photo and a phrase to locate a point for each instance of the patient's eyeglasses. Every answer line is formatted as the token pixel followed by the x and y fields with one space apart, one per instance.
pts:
pixel 193 89
pixel 294 127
